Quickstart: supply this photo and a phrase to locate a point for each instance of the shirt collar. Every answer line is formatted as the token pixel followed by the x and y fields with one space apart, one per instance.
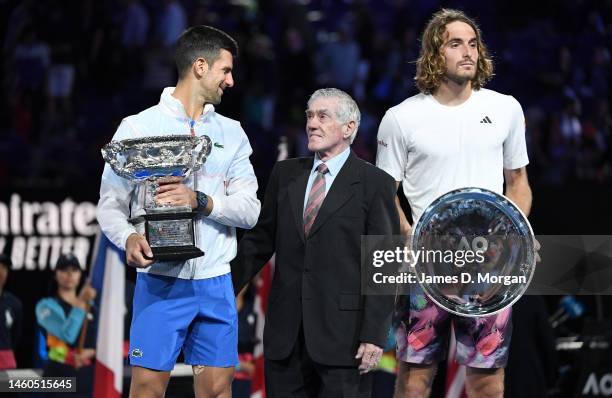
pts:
pixel 176 108
pixel 334 164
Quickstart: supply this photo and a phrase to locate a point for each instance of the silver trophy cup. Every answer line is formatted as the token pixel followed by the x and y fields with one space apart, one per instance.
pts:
pixel 478 252
pixel 169 229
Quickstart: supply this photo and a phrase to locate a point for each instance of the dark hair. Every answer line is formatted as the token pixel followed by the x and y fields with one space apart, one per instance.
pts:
pixel 66 261
pixel 201 41
pixel 6 260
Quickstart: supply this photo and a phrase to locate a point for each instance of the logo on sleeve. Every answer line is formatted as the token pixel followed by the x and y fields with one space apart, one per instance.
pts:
pixel 382 143
pixel 136 353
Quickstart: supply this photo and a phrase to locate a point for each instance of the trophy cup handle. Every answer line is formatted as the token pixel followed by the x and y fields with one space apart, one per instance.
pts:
pixel 109 154
pixel 203 153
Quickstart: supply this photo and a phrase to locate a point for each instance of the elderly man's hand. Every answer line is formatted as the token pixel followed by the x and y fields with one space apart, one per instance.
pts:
pixel 370 354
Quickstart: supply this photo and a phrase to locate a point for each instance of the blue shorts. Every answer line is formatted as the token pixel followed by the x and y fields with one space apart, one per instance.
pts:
pixel 197 316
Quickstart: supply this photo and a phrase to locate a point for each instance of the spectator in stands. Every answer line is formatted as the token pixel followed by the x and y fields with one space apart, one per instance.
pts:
pixel 173 21
pixel 10 318
pixel 61 316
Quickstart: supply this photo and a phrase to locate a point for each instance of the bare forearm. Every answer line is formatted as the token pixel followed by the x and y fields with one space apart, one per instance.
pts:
pixel 405 227
pixel 518 189
pixel 521 195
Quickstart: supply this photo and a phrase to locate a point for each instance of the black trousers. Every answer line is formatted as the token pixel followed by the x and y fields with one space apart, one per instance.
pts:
pixel 300 377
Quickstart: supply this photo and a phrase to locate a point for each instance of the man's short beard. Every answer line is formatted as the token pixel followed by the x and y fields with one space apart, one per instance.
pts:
pixel 213 99
pixel 460 79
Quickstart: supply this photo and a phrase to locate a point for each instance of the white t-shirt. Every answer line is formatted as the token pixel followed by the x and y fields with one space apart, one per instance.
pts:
pixel 433 149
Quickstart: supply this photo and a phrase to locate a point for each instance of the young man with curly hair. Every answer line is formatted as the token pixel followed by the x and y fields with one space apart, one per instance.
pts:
pixel 453 134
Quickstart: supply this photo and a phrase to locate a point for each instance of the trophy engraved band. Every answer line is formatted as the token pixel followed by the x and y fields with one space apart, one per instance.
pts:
pixel 169 229
pixel 502 251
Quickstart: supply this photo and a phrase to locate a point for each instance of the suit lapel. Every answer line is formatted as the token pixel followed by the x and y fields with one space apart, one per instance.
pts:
pixel 339 193
pixel 297 192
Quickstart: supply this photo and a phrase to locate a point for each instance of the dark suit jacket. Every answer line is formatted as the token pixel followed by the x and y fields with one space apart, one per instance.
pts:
pixel 317 279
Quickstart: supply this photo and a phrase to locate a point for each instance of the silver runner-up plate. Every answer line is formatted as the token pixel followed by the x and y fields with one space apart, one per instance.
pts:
pixel 477 252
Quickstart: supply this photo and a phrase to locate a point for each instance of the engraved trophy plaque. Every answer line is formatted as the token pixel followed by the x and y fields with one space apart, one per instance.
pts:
pixel 169 229
pixel 483 252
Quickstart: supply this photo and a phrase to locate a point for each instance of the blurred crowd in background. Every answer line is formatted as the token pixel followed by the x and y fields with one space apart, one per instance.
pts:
pixel 72 69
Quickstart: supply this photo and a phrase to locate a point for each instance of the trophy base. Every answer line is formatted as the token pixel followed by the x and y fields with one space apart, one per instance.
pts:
pixel 179 253
pixel 171 235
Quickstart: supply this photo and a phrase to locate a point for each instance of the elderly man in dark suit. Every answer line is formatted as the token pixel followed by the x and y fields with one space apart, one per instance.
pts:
pixel 322 334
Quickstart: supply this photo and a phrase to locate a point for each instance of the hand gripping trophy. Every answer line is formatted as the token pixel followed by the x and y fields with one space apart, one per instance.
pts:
pixel 169 229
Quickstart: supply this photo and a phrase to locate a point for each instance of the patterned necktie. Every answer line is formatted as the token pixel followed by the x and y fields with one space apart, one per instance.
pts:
pixel 315 198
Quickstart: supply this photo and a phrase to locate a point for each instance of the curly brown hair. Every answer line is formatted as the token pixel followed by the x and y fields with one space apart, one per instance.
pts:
pixel 430 66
